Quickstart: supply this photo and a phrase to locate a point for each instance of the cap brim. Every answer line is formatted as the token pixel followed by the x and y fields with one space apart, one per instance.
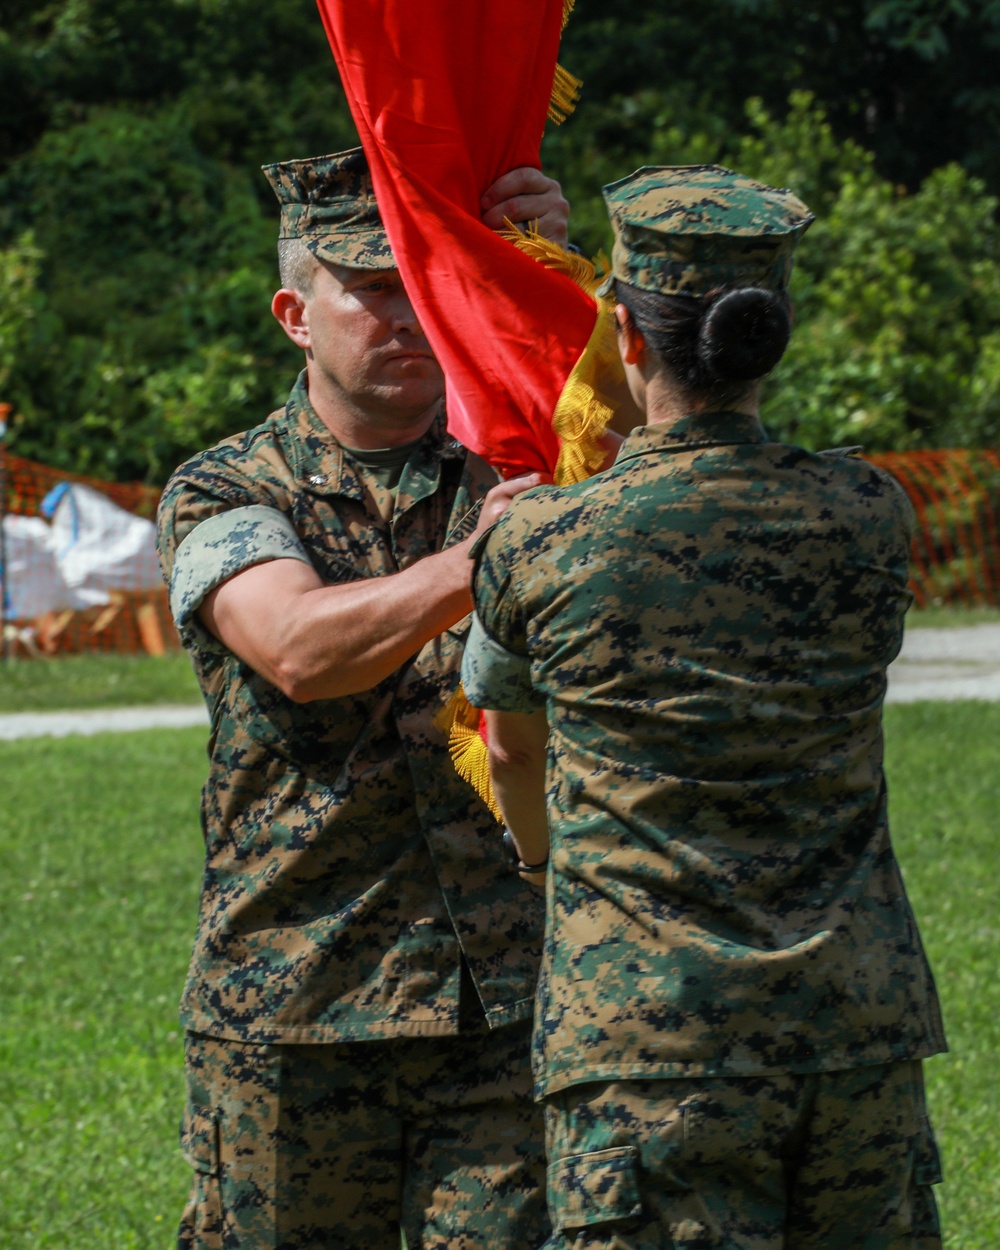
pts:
pixel 367 249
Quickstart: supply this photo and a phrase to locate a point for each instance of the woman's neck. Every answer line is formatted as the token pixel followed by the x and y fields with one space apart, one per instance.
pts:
pixel 667 403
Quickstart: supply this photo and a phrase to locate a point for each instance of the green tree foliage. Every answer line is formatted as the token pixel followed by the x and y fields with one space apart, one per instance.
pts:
pixel 20 305
pixel 899 300
pixel 154 229
pixel 897 296
pixel 137 234
pixel 913 81
pixel 902 325
pixel 154 255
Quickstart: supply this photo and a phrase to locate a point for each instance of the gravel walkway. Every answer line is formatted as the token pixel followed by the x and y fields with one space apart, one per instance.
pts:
pixel 959 663
pixel 104 720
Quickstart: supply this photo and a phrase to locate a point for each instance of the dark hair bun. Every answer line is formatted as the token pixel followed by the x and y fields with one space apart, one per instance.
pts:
pixel 743 334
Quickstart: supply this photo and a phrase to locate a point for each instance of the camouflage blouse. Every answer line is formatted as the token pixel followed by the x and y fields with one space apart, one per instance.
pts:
pixel 348 868
pixel 708 625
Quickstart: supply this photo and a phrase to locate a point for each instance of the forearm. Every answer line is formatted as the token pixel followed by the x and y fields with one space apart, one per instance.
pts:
pixel 349 641
pixel 315 641
pixel 517 754
pixel 520 792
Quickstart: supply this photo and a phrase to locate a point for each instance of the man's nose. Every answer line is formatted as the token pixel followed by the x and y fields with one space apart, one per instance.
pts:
pixel 403 316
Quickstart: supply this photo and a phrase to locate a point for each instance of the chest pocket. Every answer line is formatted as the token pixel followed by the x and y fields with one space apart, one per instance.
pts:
pixel 343 541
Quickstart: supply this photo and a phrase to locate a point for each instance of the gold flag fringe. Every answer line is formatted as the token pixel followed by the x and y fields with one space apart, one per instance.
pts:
pixel 468 750
pixel 551 255
pixel 585 406
pixel 566 88
pixel 581 418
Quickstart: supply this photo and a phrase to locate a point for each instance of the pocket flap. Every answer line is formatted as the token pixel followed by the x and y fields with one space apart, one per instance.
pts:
pixel 926 1157
pixel 200 1139
pixel 594 1188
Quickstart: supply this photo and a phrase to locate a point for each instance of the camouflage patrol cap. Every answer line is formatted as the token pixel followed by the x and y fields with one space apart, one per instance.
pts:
pixel 686 229
pixel 329 203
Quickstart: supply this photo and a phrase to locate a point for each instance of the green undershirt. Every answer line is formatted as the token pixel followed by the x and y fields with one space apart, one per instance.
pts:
pixel 384 464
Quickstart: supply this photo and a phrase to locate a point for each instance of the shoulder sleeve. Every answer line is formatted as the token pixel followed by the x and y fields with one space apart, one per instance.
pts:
pixel 901 499
pixel 204 538
pixel 225 544
pixel 496 668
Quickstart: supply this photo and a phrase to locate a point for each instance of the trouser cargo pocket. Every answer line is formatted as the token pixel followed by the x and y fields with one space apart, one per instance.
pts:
pixel 595 1188
pixel 201 1223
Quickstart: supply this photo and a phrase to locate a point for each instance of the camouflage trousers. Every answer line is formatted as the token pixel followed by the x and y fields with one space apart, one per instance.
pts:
pixel 833 1161
pixel 337 1147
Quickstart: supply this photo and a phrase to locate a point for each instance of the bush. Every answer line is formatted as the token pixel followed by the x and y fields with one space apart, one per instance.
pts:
pixel 137 235
pixel 897 296
pixel 149 328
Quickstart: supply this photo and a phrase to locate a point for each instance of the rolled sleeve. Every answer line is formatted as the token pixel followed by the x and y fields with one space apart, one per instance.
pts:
pixel 496 668
pixel 494 677
pixel 225 544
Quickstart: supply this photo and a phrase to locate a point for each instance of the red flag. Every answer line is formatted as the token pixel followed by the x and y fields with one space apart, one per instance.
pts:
pixel 447 97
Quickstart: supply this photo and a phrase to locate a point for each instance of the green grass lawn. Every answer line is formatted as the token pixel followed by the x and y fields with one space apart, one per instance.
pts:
pixel 101 859
pixel 944 800
pixel 951 615
pixel 100 681
pixel 96 681
pixel 101 852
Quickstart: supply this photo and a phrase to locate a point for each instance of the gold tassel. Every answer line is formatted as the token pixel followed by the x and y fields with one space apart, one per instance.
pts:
pixel 552 256
pixel 584 409
pixel 468 750
pixel 586 404
pixel 566 88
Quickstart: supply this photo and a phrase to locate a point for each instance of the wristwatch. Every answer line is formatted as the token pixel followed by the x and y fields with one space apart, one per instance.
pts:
pixel 513 857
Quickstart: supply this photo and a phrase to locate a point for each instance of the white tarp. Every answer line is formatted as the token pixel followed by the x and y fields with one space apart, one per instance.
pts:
pixel 88 548
pixel 34 584
pixel 99 546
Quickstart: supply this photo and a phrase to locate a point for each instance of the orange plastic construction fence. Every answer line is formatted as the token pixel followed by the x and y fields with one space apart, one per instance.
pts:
pixel 955 555
pixel 28 482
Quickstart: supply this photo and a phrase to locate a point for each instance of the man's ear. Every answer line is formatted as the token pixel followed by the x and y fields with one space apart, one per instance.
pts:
pixel 631 343
pixel 289 309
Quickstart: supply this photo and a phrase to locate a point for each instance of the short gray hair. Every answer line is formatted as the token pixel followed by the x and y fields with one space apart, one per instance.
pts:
pixel 296 266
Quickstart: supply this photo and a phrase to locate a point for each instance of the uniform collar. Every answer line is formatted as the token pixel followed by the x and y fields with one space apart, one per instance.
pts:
pixel 694 429
pixel 321 465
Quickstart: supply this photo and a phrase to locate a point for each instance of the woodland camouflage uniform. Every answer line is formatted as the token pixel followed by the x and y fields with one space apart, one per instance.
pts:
pixel 731 961
pixel 359 933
